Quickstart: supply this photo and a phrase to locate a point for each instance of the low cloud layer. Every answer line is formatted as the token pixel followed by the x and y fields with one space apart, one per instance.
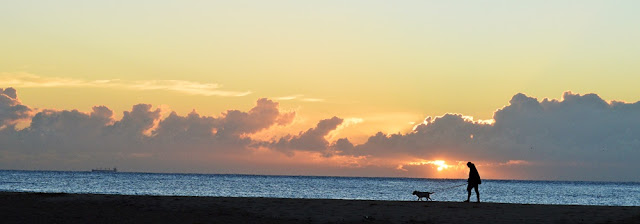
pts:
pixel 578 137
pixel 575 134
pixel 74 138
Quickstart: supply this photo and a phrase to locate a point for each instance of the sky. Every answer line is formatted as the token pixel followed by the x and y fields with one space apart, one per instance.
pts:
pixel 526 90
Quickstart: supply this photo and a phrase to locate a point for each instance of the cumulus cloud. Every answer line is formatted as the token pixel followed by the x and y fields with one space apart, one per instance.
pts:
pixel 27 80
pixel 72 135
pixel 192 128
pixel 310 140
pixel 262 116
pixel 11 109
pixel 449 134
pixel 61 131
pixel 574 137
pixel 577 129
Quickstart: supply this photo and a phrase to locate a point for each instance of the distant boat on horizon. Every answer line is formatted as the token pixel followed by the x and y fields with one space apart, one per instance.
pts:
pixel 104 170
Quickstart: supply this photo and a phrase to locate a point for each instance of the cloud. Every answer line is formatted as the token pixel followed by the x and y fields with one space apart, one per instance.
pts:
pixel 26 80
pixel 574 137
pixel 11 109
pixel 299 97
pixel 312 100
pixel 72 135
pixel 310 140
pixel 136 123
pixel 283 98
pixel 262 116
pixel 192 128
pixel 577 129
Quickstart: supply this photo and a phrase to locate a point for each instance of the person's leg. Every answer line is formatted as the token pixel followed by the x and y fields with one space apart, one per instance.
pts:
pixel 477 192
pixel 468 192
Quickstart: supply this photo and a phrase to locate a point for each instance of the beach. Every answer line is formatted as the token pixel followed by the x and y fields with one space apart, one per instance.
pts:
pixel 97 208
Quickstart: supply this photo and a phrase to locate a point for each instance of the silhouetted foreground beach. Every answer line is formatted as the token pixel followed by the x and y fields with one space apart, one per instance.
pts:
pixel 87 208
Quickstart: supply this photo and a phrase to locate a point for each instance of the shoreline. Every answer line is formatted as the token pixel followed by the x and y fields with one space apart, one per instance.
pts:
pixel 22 207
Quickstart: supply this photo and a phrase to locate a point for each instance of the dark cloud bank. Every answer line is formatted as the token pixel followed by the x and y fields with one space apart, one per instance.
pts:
pixel 580 137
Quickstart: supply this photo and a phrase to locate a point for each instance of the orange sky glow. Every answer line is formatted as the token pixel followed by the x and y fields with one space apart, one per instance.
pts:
pixel 525 90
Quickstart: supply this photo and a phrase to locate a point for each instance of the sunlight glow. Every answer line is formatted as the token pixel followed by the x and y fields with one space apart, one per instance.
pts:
pixel 441 164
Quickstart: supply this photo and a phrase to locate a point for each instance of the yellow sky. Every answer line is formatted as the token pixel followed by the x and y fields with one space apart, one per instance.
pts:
pixel 385 63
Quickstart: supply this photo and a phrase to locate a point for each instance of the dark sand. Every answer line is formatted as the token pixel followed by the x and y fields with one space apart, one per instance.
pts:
pixel 86 208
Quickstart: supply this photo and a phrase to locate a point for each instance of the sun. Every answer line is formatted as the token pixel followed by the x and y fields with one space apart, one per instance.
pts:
pixel 441 165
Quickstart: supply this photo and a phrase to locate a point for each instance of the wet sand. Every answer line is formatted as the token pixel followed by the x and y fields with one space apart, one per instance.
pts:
pixel 90 208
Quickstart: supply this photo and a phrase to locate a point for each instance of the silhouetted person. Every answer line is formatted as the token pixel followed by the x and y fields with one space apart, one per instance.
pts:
pixel 474 181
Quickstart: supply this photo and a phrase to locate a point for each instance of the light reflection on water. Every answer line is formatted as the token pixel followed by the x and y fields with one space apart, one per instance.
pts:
pixel 361 188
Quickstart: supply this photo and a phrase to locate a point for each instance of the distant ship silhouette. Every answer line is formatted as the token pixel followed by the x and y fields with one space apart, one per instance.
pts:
pixel 104 170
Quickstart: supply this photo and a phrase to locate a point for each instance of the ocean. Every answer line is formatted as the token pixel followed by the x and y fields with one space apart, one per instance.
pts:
pixel 359 188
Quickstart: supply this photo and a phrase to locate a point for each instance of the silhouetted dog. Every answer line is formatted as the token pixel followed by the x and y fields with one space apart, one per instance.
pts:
pixel 422 195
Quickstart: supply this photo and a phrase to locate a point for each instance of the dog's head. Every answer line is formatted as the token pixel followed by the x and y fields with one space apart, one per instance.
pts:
pixel 415 192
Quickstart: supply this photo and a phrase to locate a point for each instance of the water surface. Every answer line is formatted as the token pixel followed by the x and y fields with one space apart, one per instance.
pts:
pixel 361 188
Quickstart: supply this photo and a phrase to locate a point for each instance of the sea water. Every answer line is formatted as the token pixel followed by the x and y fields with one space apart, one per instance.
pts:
pixel 359 188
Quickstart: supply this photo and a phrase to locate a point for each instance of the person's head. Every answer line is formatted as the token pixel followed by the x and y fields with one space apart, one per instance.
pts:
pixel 470 164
